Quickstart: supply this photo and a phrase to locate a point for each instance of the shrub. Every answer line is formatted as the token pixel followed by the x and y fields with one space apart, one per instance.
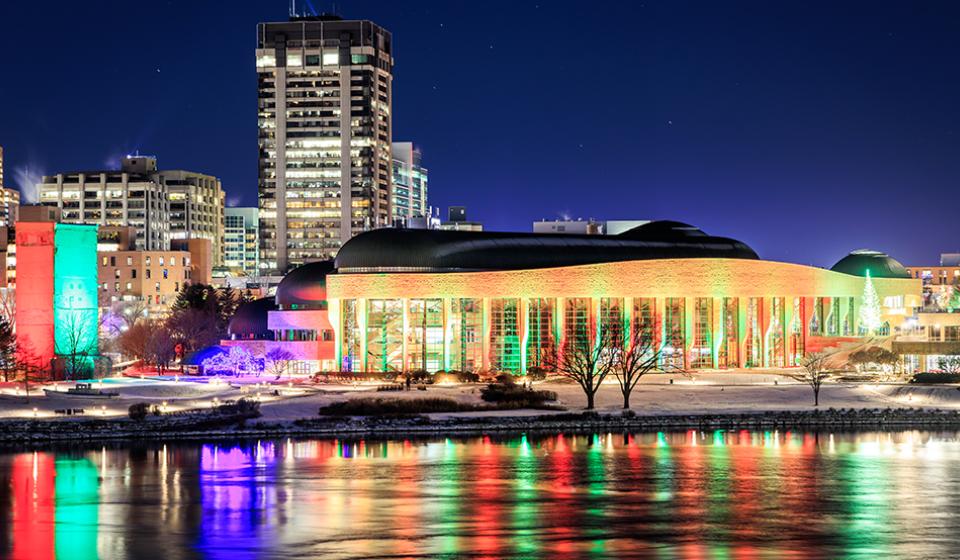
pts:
pixel 138 411
pixel 935 377
pixel 536 373
pixel 506 378
pixel 378 406
pixel 516 395
pixel 242 406
pixel 420 376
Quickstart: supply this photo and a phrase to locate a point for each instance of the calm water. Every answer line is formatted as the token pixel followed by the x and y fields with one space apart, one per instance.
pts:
pixel 668 495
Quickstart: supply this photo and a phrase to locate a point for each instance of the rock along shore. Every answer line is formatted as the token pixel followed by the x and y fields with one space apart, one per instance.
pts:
pixel 219 427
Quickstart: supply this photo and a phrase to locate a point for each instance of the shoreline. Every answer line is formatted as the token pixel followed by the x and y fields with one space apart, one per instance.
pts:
pixel 38 433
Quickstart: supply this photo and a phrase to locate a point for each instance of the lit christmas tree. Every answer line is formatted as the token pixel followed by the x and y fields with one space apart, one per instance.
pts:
pixel 870 308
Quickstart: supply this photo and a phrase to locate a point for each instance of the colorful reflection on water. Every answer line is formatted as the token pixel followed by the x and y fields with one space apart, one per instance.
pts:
pixel 667 495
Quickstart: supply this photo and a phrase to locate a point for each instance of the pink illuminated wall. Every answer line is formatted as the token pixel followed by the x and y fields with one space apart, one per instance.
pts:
pixel 34 294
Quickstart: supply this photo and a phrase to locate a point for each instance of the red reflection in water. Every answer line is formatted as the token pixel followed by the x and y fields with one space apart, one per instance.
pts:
pixel 487 514
pixel 33 507
pixel 561 519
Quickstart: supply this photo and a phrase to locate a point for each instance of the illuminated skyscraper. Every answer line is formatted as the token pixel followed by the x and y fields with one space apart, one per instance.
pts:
pixel 409 198
pixel 325 91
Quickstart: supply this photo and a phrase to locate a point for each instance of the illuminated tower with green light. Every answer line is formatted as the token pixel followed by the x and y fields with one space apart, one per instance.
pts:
pixel 75 314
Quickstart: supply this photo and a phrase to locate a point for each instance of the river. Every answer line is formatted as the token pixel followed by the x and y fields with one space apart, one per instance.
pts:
pixel 743 494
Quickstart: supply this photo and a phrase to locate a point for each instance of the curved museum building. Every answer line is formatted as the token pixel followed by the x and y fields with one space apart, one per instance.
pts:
pixel 401 299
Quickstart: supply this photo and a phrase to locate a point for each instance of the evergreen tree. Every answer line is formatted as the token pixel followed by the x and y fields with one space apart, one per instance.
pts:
pixel 870 316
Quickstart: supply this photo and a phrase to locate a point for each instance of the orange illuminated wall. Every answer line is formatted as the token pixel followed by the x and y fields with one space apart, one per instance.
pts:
pixel 34 294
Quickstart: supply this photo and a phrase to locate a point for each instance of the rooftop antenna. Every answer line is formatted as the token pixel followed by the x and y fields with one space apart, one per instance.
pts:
pixel 293 8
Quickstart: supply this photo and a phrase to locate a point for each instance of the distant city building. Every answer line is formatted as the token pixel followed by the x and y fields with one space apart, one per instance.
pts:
pixel 457 220
pixel 153 277
pixel 196 208
pixel 201 258
pixel 950 259
pixel 325 164
pixel 409 184
pixel 9 206
pixel 586 227
pixel 241 253
pixel 160 205
pixel 9 200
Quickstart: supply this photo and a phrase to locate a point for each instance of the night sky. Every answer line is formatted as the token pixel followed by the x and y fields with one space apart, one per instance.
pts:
pixel 805 129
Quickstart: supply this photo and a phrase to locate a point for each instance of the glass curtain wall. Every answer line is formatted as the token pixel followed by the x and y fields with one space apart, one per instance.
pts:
pixel 753 337
pixel 796 334
pixel 729 351
pixel 775 337
pixel 541 340
pixel 645 322
pixel 466 331
pixel 384 335
pixel 611 322
pixel 505 334
pixel 350 343
pixel 702 333
pixel 674 342
pixel 425 334
pixel 577 328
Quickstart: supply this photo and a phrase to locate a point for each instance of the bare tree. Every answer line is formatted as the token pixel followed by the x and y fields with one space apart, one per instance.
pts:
pixel 133 341
pixel 586 360
pixel 160 348
pixel 278 360
pixel 813 372
pixel 76 343
pixel 631 362
pixel 8 349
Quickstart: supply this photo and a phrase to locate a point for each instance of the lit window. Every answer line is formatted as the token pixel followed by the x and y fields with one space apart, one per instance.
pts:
pixel 161 261
pixel 158 286
pixel 331 57
pixel 148 263
pixel 129 261
pixel 129 286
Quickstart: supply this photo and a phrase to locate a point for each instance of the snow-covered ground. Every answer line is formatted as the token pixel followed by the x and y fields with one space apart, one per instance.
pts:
pixel 699 394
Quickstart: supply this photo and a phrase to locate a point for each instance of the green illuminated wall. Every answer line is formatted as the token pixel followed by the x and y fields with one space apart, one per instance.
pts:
pixel 75 291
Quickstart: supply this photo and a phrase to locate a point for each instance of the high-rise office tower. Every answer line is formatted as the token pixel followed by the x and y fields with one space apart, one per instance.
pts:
pixel 409 198
pixel 242 241
pixel 325 91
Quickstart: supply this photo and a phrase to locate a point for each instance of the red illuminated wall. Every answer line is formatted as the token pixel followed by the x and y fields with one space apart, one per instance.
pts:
pixel 34 295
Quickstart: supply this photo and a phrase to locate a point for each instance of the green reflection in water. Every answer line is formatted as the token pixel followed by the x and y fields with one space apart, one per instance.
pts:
pixel 448 508
pixel 77 506
pixel 596 491
pixel 526 513
pixel 719 493
pixel 867 474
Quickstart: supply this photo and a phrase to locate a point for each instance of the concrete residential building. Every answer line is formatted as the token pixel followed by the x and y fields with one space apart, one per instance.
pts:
pixel 325 164
pixel 196 208
pixel 160 205
pixel 409 199
pixel 241 249
pixel 154 277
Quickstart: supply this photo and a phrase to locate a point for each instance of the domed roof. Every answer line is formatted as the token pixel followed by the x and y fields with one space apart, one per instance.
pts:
pixel 664 229
pixel 250 320
pixel 304 287
pixel 418 250
pixel 879 264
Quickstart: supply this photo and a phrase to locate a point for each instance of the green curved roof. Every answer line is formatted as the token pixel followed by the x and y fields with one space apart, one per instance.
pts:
pixel 880 265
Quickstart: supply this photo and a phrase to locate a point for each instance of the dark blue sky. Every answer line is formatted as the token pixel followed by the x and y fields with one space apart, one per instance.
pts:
pixel 806 129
